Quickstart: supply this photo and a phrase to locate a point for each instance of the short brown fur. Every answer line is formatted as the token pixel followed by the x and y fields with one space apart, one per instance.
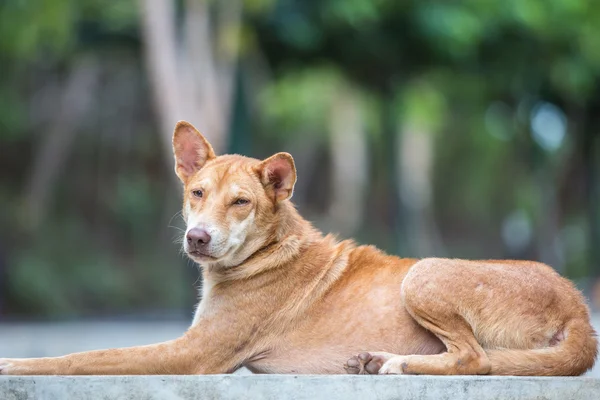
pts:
pixel 279 297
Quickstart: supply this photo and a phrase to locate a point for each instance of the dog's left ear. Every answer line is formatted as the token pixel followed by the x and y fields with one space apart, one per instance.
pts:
pixel 278 176
pixel 191 150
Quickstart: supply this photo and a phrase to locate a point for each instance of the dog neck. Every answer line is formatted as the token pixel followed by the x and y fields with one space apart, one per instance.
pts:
pixel 290 234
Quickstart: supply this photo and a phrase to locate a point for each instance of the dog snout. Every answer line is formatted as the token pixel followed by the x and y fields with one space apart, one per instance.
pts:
pixel 197 238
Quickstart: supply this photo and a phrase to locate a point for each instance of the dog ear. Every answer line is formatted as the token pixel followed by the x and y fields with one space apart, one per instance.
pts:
pixel 191 150
pixel 278 176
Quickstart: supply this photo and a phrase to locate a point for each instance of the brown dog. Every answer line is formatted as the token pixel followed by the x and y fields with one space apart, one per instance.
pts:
pixel 279 297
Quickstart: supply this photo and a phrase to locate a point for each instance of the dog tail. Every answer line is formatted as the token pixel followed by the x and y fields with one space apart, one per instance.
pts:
pixel 573 355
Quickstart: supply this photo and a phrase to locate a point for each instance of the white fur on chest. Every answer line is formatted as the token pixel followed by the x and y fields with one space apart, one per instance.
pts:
pixel 204 304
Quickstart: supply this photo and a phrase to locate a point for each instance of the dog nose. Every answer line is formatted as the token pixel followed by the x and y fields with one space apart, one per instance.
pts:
pixel 197 237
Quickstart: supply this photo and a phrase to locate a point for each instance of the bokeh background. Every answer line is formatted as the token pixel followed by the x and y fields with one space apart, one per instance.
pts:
pixel 451 128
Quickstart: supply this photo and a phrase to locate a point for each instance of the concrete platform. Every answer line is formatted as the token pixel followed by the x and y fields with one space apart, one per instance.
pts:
pixel 297 387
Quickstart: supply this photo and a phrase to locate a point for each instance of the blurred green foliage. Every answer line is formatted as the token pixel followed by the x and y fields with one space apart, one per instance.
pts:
pixel 471 73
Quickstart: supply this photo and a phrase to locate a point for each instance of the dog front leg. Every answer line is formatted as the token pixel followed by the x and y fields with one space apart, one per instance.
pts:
pixel 190 354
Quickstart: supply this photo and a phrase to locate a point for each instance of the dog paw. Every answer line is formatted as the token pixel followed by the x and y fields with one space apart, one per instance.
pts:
pixel 5 366
pixel 13 366
pixel 396 365
pixel 367 363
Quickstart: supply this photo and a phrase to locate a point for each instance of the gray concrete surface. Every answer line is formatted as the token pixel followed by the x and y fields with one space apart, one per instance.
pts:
pixel 298 387
pixel 50 339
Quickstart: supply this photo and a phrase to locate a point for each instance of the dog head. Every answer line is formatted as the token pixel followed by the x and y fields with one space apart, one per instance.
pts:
pixel 231 203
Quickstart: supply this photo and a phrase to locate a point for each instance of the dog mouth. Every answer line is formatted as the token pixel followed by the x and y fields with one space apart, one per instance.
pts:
pixel 206 254
pixel 200 255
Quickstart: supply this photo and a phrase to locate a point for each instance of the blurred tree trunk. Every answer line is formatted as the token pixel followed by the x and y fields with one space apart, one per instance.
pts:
pixel 160 45
pixel 211 58
pixel 415 165
pixel 382 210
pixel 192 78
pixel 349 165
pixel 58 138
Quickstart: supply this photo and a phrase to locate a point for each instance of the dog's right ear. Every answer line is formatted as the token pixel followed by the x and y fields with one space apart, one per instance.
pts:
pixel 191 150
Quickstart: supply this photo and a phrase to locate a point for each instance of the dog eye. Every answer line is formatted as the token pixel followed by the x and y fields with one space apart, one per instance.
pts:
pixel 241 202
pixel 197 193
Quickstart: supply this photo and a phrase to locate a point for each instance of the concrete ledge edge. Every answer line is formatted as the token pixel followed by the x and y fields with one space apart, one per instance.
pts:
pixel 327 387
